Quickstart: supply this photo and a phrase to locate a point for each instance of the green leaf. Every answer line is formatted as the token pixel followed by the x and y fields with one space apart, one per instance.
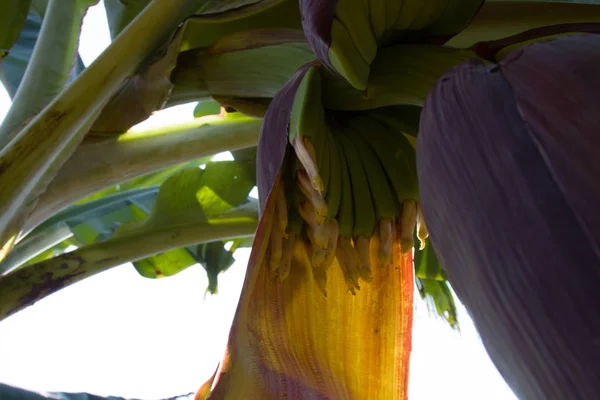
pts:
pixel 215 259
pixel 207 107
pixel 144 181
pixel 439 299
pixel 12 19
pixel 85 224
pixel 178 219
pixel 427 265
pixel 99 208
pixel 432 283
pixel 197 196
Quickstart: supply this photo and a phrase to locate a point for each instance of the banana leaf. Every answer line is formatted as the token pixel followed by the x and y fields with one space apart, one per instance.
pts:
pixel 226 186
pixel 8 392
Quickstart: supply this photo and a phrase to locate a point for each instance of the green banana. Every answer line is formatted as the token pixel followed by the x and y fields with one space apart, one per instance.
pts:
pixel 351 17
pixel 396 154
pixel 364 211
pixel 344 252
pixel 384 200
pixel 325 162
pixel 345 214
pixel 387 207
pixel 364 215
pixel 398 158
pixel 345 58
pixel 334 187
pixel 380 17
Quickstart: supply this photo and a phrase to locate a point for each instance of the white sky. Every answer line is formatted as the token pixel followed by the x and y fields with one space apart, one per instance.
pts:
pixel 120 334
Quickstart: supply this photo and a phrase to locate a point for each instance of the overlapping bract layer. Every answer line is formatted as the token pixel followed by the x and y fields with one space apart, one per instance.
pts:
pixel 350 179
pixel 345 34
pixel 508 169
pixel 289 341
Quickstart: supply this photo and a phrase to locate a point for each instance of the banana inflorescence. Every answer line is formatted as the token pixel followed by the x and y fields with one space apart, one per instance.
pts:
pixel 351 179
pixel 347 34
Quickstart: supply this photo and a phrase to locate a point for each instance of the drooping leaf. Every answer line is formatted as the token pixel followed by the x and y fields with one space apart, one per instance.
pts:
pixel 81 225
pixel 439 299
pixel 177 220
pixel 427 265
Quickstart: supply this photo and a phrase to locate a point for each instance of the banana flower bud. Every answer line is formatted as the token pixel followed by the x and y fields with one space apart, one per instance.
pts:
pixel 508 166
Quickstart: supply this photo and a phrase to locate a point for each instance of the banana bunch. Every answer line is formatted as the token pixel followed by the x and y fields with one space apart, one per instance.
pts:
pixel 350 181
pixel 346 34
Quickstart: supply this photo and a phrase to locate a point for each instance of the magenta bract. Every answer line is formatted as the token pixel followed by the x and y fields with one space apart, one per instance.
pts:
pixel 508 160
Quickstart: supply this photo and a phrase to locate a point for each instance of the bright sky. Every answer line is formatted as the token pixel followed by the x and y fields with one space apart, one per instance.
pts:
pixel 122 335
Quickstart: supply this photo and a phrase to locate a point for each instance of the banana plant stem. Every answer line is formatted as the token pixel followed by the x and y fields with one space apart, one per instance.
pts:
pixel 106 162
pixel 38 147
pixel 25 286
pixel 31 247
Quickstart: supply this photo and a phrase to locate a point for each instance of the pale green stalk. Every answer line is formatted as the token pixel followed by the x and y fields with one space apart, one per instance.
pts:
pixel 50 65
pixel 30 247
pixel 25 286
pixel 39 146
pixel 107 162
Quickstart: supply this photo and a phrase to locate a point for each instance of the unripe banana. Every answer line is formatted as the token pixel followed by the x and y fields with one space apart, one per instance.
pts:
pixel 345 58
pixel 345 214
pixel 344 251
pixel 360 29
pixel 396 154
pixel 364 211
pixel 384 199
pixel 334 187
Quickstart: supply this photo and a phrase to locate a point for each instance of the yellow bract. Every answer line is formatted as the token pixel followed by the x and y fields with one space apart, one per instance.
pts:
pixel 289 340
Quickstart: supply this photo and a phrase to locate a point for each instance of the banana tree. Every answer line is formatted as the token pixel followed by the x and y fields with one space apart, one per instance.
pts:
pixel 344 115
